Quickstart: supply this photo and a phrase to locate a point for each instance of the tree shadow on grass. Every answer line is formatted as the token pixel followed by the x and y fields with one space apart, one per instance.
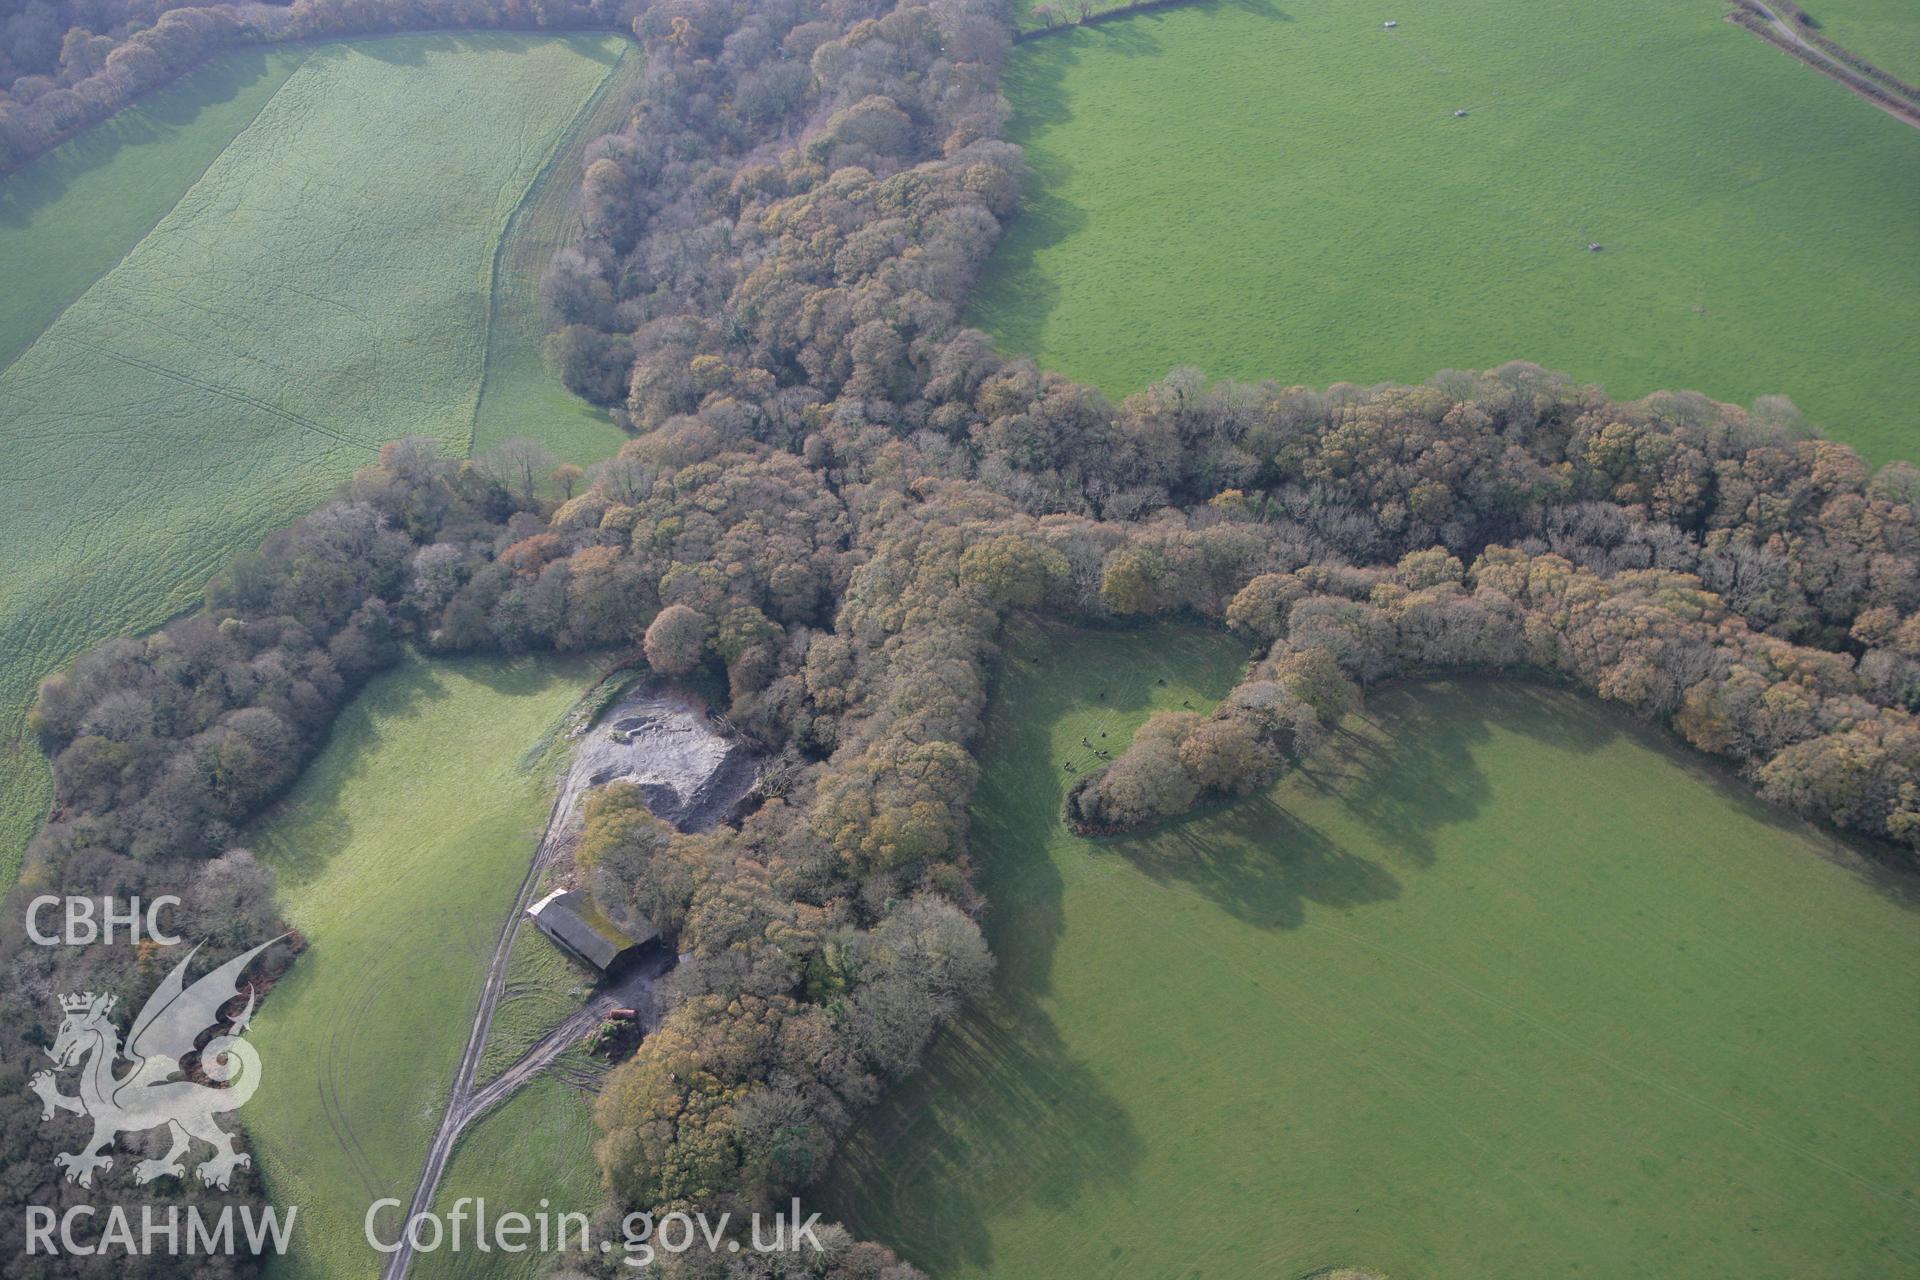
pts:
pixel 220 80
pixel 320 799
pixel 1259 8
pixel 414 48
pixel 43 180
pixel 1004 1114
pixel 1572 720
pixel 1259 863
pixel 1016 811
pixel 1001 1115
pixel 1015 298
pixel 411 50
pixel 1005 1118
pixel 524 676
pixel 1885 869
pixel 1403 766
pixel 177 104
pixel 1407 769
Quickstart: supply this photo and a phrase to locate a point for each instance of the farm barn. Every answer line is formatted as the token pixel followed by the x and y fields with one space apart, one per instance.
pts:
pixel 582 932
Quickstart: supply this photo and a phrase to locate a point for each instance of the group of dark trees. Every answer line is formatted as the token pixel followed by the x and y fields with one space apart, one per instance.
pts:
pixel 833 496
pixel 1821 732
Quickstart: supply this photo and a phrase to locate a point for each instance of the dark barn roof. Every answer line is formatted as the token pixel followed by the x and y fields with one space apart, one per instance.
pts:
pixel 572 921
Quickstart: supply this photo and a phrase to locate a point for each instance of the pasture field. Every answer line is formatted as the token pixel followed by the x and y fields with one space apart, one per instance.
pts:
pixel 313 280
pixel 543 989
pixel 519 394
pixel 1500 985
pixel 67 216
pixel 65 219
pixel 537 1146
pixel 1884 32
pixel 1266 190
pixel 399 853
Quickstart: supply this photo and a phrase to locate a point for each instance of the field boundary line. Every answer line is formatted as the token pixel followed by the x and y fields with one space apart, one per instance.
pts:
pixel 198 178
pixel 1847 69
pixel 1806 29
pixel 503 242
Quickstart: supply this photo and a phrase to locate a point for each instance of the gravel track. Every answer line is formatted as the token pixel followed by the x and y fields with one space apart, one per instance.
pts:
pixel 693 777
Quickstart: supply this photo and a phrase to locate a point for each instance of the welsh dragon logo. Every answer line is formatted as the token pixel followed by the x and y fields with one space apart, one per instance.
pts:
pixel 155 1092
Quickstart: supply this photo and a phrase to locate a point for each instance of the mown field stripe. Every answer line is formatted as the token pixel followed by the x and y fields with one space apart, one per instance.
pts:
pixel 121 163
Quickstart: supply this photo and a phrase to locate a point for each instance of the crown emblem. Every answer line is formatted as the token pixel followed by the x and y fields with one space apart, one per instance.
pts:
pixel 172 1024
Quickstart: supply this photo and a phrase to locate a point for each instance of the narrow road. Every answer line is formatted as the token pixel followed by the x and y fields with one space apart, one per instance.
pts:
pixel 729 776
pixel 467 1104
pixel 634 990
pixel 459 1110
pixel 1786 29
pixel 1852 80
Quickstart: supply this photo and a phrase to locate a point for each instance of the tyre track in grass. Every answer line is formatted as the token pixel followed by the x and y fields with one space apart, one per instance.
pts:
pixel 713 795
pixel 465 1103
pixel 228 393
pixel 328 1084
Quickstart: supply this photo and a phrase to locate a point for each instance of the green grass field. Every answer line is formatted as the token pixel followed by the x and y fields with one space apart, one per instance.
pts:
pixel 68 216
pixel 537 1147
pixel 543 989
pixel 399 854
pixel 231 295
pixel 1884 32
pixel 1500 986
pixel 519 394
pixel 65 219
pixel 1268 190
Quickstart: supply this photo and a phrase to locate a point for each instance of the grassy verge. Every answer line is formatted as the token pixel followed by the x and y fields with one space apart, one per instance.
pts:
pixel 543 988
pixel 520 395
pixel 534 1154
pixel 1288 194
pixel 1884 32
pixel 1499 986
pixel 399 853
